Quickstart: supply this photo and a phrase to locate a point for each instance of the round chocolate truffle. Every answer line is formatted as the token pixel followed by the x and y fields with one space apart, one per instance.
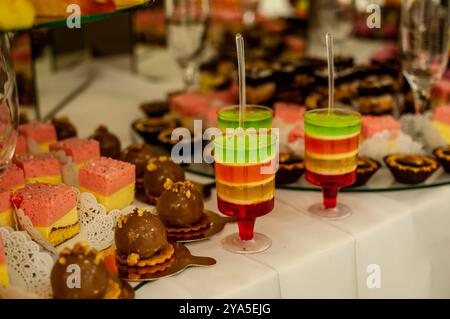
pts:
pixel 157 172
pixel 140 233
pixel 64 128
pixel 109 143
pixel 180 205
pixel 93 280
pixel 139 155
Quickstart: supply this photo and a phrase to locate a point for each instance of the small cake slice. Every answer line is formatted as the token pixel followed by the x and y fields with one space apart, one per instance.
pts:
pixel 43 168
pixel 4 277
pixel 112 182
pixel 51 208
pixel 42 133
pixel 80 150
pixel 370 125
pixel 441 120
pixel 6 212
pixel 13 178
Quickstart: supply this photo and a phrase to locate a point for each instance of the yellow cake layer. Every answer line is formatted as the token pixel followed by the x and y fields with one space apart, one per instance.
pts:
pixel 7 218
pixel 444 129
pixel 60 235
pixel 45 179
pixel 45 147
pixel 69 219
pixel 4 279
pixel 15 188
pixel 118 200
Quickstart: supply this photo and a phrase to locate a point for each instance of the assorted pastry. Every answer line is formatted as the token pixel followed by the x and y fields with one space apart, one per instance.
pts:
pixel 411 168
pixel 291 168
pixel 109 143
pixel 142 246
pixel 366 168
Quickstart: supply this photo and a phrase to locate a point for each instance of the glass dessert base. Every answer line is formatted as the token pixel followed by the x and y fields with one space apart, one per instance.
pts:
pixel 258 244
pixel 341 211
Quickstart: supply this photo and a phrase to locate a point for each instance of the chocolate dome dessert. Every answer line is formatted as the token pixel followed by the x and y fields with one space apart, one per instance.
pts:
pixel 157 172
pixel 140 233
pixel 64 128
pixel 94 281
pixel 109 143
pixel 139 155
pixel 180 204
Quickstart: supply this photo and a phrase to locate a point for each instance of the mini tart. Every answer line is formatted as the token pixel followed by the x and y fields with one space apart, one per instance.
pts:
pixel 411 169
pixel 135 267
pixel 291 168
pixel 366 168
pixel 443 156
pixel 187 232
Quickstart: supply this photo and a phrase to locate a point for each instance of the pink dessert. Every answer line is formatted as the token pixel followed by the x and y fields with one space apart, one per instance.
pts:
pixel 51 208
pixel 370 125
pixel 6 212
pixel 40 132
pixel 41 167
pixel 290 113
pixel 440 93
pixel 297 133
pixel 12 178
pixel 189 104
pixel 21 146
pixel 81 150
pixel 223 97
pixel 442 114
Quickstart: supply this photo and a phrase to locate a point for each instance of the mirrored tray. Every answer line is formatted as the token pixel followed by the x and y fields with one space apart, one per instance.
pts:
pixel 382 181
pixel 52 22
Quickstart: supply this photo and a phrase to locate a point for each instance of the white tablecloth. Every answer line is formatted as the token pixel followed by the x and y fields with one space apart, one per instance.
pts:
pixel 406 234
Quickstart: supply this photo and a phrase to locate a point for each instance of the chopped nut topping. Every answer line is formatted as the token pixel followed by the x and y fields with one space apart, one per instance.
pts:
pixel 168 184
pixel 62 260
pixel 133 259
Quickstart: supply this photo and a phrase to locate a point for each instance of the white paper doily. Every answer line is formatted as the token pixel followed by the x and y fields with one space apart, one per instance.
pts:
pixel 29 266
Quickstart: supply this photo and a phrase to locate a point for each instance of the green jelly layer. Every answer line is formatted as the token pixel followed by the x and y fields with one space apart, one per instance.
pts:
pixel 253 118
pixel 244 149
pixel 323 124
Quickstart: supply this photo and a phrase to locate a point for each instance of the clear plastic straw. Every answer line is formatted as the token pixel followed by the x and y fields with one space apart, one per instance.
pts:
pixel 330 57
pixel 241 73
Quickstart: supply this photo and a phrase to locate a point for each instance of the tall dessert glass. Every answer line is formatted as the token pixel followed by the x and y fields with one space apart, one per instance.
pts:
pixel 331 148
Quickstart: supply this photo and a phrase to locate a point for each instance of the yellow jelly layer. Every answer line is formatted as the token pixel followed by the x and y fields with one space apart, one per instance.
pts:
pixel 246 194
pixel 4 279
pixel 330 167
pixel 69 219
pixel 444 129
pixel 7 218
pixel 45 179
pixel 118 200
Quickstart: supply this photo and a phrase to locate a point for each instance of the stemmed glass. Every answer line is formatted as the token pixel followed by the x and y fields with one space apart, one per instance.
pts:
pixel 9 105
pixel 424 43
pixel 187 24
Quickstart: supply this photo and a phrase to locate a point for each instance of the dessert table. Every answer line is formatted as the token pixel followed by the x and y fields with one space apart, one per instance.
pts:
pixel 403 236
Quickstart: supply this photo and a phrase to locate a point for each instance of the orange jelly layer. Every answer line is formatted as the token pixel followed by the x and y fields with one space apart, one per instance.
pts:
pixel 242 173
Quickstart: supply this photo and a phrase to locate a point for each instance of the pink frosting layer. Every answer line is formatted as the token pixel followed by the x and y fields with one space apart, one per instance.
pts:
pixel 38 165
pixel 2 252
pixel 189 104
pixel 106 176
pixel 12 177
pixel 442 114
pixel 40 132
pixel 5 199
pixel 45 203
pixel 289 112
pixel 21 146
pixel 370 125
pixel 81 150
pixel 441 89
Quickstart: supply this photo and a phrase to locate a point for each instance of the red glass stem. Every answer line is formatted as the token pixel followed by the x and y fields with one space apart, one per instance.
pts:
pixel 246 227
pixel 330 196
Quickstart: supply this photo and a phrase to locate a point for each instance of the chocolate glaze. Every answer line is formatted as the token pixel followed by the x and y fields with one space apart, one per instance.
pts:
pixel 109 143
pixel 158 171
pixel 139 155
pixel 140 233
pixel 180 205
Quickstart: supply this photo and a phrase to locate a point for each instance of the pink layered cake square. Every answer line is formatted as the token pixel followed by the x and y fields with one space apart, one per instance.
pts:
pixel 290 113
pixel 371 125
pixel 6 211
pixel 51 208
pixel 441 120
pixel 21 145
pixel 80 150
pixel 41 133
pixel 440 93
pixel 13 178
pixel 4 277
pixel 112 182
pixel 43 167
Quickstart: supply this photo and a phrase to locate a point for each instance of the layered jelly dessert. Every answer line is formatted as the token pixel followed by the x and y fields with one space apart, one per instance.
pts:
pixel 51 208
pixel 112 182
pixel 4 277
pixel 49 8
pixel 13 178
pixel 6 212
pixel 41 133
pixel 42 167
pixel 80 150
pixel 441 120
pixel 371 125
